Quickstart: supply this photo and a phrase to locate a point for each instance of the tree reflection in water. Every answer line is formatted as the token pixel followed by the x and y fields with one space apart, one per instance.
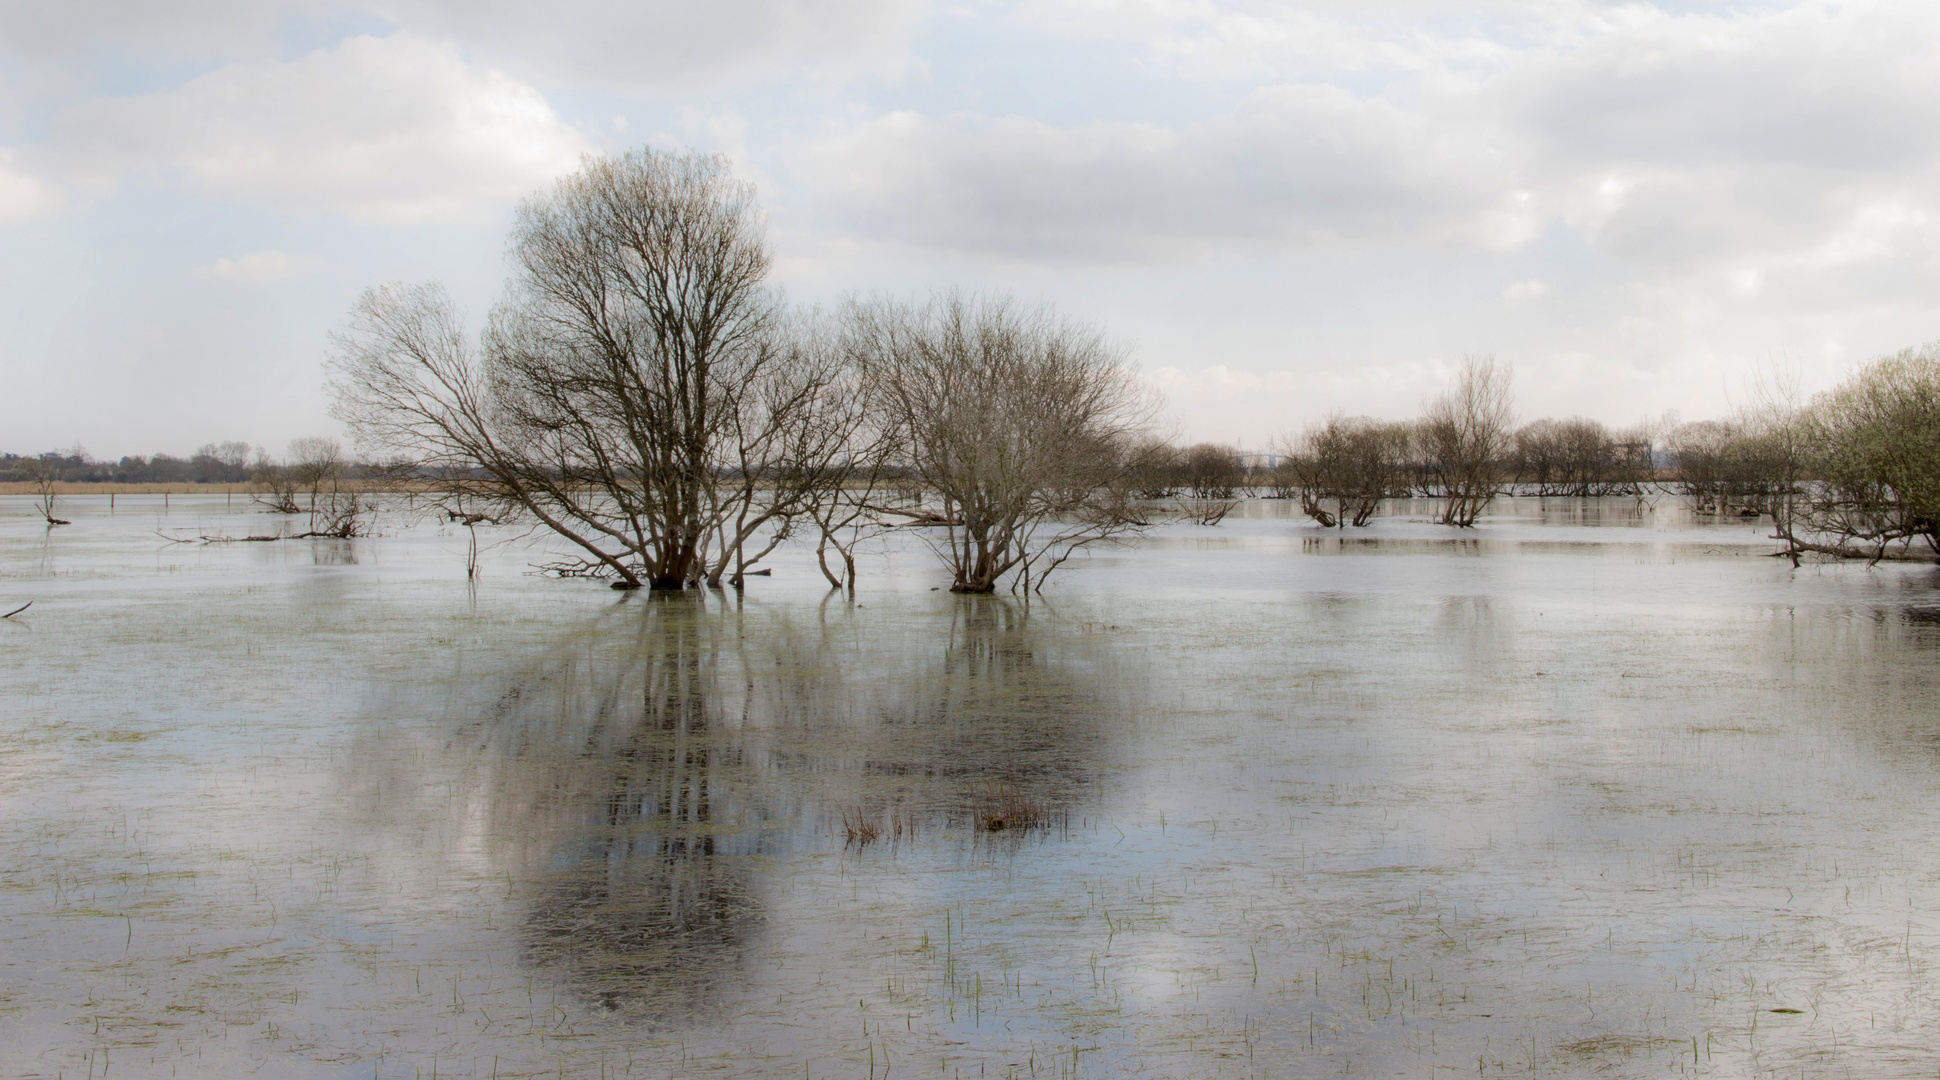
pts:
pixel 631 808
pixel 642 784
pixel 1006 707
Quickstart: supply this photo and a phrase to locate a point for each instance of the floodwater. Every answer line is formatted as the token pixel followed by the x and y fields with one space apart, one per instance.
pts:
pixel 1591 790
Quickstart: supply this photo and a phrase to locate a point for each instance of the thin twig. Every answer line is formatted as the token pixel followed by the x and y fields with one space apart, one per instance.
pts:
pixel 17 610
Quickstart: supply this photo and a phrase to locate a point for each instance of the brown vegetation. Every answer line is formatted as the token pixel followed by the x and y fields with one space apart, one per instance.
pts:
pixel 1020 422
pixel 1007 808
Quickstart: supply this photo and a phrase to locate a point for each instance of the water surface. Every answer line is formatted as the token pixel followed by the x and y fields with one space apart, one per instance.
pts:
pixel 1593 789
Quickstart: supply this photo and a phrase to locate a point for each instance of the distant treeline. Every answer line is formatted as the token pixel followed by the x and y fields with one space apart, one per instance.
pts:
pixel 214 463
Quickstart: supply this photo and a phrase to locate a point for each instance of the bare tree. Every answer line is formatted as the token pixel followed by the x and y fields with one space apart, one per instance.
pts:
pixel 44 475
pixel 1579 458
pixel 1742 466
pixel 1153 469
pixel 316 465
pixel 1020 421
pixel 1342 468
pixel 1212 471
pixel 639 392
pixel 851 472
pixel 276 485
pixel 233 454
pixel 1465 438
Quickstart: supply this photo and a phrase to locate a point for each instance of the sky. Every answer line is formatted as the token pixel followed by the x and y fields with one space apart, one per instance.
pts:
pixel 1282 209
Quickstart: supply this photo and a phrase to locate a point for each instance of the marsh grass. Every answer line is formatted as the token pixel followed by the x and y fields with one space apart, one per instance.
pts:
pixel 858 827
pixel 1006 807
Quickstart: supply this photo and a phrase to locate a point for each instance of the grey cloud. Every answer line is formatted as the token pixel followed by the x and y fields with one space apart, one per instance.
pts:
pixel 641 45
pixel 1292 165
pixel 1687 142
pixel 76 30
pixel 670 44
pixel 1852 89
pixel 1735 140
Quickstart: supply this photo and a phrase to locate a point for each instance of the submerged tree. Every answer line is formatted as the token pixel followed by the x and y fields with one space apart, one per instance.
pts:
pixel 1212 470
pixel 1465 439
pixel 1152 469
pixel 276 485
pixel 1579 458
pixel 1020 421
pixel 1745 466
pixel 1342 468
pixel 639 392
pixel 44 475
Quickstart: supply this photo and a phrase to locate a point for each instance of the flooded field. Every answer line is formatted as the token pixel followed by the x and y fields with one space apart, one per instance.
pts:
pixel 1591 790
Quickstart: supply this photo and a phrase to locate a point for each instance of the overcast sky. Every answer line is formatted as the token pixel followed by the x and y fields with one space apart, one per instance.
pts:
pixel 1284 208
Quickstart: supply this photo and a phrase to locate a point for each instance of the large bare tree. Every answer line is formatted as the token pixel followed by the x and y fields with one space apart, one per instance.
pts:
pixel 1465 436
pixel 1018 420
pixel 639 392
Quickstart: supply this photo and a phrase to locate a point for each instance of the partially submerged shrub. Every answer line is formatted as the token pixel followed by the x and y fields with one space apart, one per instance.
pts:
pixel 1342 468
pixel 1873 446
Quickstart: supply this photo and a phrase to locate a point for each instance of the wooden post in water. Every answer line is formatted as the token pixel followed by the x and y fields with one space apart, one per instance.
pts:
pixel 164 502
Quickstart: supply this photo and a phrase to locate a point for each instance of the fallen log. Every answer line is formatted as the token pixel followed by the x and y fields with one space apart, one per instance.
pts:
pixel 1847 551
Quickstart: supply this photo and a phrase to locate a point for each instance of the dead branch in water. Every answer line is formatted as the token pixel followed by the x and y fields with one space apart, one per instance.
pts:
pixel 1847 551
pixel 17 610
pixel 918 518
pixel 1207 511
pixel 575 568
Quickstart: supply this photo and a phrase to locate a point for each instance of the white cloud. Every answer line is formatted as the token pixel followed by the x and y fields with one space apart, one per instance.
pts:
pixel 1524 290
pixel 257 267
pixel 23 196
pixel 393 129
